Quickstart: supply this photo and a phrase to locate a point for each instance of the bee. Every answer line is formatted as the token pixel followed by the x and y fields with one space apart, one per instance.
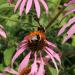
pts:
pixel 36 39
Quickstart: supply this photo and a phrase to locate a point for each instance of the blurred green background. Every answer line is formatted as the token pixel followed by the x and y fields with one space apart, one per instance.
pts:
pixel 17 27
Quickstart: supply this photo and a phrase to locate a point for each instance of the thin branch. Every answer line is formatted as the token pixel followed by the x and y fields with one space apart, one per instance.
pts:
pixel 53 20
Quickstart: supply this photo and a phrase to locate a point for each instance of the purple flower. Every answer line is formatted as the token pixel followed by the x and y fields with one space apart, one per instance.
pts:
pixel 36 43
pixel 70 32
pixel 28 4
pixel 71 21
pixel 2 32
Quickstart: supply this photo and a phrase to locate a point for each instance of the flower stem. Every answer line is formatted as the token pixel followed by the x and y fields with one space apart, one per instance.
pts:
pixel 54 19
pixel 7 18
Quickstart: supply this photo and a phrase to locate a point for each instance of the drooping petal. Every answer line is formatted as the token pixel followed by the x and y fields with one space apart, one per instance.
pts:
pixel 17 5
pixel 53 60
pixel 24 62
pixel 28 7
pixel 21 50
pixel 67 4
pixel 22 6
pixel 10 70
pixel 55 55
pixel 21 46
pixel 46 58
pixel 23 42
pixel 37 7
pixel 73 1
pixel 41 70
pixel 71 21
pixel 70 11
pixel 45 5
pixel 34 66
pixel 51 44
pixel 70 32
pixel 2 74
pixel 2 33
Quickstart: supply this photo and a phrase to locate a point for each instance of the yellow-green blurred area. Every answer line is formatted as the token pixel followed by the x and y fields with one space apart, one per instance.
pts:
pixel 17 27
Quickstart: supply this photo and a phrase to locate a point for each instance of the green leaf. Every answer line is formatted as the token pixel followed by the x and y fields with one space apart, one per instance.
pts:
pixel 1 67
pixel 50 70
pixel 6 5
pixel 53 71
pixel 12 24
pixel 8 55
pixel 73 41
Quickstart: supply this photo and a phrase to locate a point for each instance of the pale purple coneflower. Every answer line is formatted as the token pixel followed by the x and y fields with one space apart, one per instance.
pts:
pixel 71 22
pixel 70 32
pixel 28 4
pixel 37 43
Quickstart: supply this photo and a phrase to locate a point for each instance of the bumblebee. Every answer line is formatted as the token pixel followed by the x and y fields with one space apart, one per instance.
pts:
pixel 36 39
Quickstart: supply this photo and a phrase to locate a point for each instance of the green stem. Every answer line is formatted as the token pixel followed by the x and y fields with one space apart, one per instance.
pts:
pixel 7 18
pixel 54 19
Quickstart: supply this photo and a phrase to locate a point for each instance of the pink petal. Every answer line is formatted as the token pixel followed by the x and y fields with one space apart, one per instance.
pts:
pixel 24 62
pixel 28 7
pixel 70 11
pixel 34 66
pixel 23 43
pixel 26 38
pixel 69 33
pixel 22 6
pixel 53 60
pixel 46 58
pixel 2 74
pixel 65 4
pixel 41 70
pixel 45 5
pixel 2 33
pixel 10 70
pixel 70 2
pixel 17 5
pixel 18 53
pixel 51 44
pixel 37 7
pixel 55 55
pixel 66 25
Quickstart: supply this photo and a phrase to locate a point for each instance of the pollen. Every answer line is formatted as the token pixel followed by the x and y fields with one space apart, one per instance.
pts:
pixel 36 41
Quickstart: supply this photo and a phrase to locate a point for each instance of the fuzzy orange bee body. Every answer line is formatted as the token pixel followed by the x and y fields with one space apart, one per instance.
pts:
pixel 36 40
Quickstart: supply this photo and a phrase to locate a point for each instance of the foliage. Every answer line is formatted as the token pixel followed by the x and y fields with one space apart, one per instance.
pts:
pixel 18 26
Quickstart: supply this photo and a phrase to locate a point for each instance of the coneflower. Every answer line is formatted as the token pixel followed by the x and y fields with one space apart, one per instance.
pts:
pixel 37 44
pixel 28 4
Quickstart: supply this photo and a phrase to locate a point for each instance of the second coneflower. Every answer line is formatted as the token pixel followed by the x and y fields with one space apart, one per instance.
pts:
pixel 28 4
pixel 36 43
